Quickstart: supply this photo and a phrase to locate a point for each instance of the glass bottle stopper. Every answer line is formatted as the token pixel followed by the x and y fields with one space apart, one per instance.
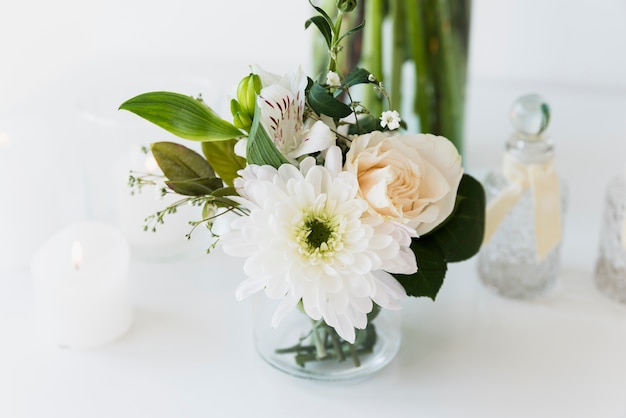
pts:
pixel 530 115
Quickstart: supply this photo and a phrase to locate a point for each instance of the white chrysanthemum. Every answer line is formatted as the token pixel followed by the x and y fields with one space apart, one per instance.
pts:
pixel 305 240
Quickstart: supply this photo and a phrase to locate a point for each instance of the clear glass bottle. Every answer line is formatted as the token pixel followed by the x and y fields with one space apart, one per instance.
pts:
pixel 610 270
pixel 508 263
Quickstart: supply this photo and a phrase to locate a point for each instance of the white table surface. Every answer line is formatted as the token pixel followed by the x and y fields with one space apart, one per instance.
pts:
pixel 190 354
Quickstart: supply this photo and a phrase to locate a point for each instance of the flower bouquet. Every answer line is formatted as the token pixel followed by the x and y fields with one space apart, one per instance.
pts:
pixel 342 214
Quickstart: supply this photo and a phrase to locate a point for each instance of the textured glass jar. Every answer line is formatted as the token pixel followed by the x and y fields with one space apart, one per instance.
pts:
pixel 293 348
pixel 610 271
pixel 508 263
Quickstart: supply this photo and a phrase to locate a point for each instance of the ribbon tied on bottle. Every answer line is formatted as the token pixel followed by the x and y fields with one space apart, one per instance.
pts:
pixel 544 186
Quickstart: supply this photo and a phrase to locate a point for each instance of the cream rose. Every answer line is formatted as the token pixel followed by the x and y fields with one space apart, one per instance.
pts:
pixel 412 179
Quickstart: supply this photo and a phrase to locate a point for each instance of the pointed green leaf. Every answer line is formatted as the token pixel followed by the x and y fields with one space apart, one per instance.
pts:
pixel 221 155
pixel 225 191
pixel 182 115
pixel 357 76
pixel 431 269
pixel 323 102
pixel 351 31
pixel 179 162
pixel 461 235
pixel 322 12
pixel 261 149
pixel 195 187
pixel 323 27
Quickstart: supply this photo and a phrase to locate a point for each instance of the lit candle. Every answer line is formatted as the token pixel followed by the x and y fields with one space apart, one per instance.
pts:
pixel 80 279
pixel 169 241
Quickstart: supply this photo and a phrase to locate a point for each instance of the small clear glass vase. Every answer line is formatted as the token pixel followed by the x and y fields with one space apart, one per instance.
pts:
pixel 310 349
pixel 509 262
pixel 610 269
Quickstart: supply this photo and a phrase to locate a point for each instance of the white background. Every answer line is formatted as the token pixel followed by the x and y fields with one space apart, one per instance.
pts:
pixel 66 65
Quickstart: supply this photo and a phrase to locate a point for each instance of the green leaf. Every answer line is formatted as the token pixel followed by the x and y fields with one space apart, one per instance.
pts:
pixel 182 115
pixel 357 76
pixel 461 235
pixel 324 27
pixel 351 31
pixel 322 12
pixel 179 162
pixel 221 155
pixel 225 191
pixel 261 149
pixel 431 269
pixel 323 102
pixel 365 124
pixel 195 187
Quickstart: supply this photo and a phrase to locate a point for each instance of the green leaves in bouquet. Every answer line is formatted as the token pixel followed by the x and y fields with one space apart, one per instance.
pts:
pixel 324 27
pixel 461 235
pixel 182 115
pixel 431 269
pixel 261 149
pixel 323 102
pixel 221 155
pixel 188 173
pixel 458 238
pixel 358 76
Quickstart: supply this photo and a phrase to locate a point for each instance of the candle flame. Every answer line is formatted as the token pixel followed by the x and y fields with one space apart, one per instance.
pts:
pixel 151 164
pixel 77 255
pixel 5 139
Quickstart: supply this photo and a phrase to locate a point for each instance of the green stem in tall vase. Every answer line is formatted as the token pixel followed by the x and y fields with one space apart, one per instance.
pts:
pixel 398 54
pixel 440 37
pixel 372 51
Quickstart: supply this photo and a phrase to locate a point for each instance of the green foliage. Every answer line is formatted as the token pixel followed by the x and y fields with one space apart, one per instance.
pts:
pixel 323 103
pixel 182 115
pixel 458 238
pixel 179 162
pixel 431 269
pixel 195 187
pixel 221 155
pixel 261 149
pixel 323 26
pixel 357 76
pixel 461 235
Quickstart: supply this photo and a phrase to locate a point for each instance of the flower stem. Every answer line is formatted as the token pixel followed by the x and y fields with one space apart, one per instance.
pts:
pixel 320 349
pixel 371 54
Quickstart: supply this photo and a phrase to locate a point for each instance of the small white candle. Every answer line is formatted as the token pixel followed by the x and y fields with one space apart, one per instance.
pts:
pixel 80 279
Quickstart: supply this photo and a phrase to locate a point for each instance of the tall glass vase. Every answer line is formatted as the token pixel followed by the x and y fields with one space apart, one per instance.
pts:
pixel 418 49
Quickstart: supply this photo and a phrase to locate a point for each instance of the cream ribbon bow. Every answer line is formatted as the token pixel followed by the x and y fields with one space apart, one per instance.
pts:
pixel 544 185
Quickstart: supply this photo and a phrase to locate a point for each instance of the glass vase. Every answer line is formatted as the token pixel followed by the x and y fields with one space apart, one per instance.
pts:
pixel 507 264
pixel 310 349
pixel 610 269
pixel 512 262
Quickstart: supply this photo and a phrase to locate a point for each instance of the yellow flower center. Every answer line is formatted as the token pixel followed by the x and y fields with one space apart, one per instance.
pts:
pixel 318 236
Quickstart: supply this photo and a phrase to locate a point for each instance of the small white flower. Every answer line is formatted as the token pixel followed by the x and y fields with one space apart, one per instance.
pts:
pixel 390 119
pixel 371 78
pixel 332 79
pixel 306 239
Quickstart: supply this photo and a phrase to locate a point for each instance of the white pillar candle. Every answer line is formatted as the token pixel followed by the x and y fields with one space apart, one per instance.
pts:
pixel 80 279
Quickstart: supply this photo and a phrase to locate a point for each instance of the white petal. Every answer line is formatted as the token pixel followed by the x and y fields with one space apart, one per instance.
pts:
pixel 286 305
pixel 249 287
pixel 317 138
